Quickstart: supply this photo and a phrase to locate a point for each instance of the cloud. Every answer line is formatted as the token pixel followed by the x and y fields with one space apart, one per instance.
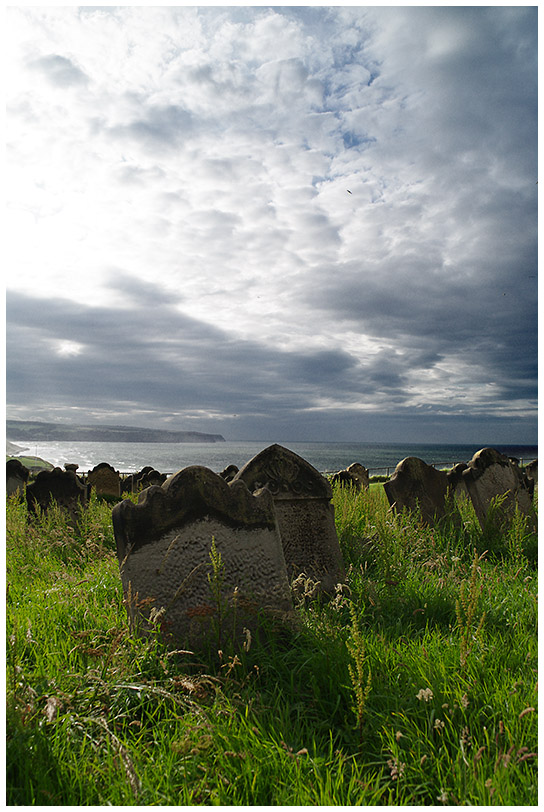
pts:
pixel 60 71
pixel 178 198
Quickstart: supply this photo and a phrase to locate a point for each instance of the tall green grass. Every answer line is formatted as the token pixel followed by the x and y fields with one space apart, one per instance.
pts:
pixel 415 684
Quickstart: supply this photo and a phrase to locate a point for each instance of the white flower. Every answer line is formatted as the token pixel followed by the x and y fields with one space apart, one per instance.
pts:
pixel 425 693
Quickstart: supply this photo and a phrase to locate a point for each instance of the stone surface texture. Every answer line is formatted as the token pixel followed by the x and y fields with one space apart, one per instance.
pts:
pixel 105 479
pixel 302 500
pixel 57 486
pixel 417 486
pixel 164 544
pixel 16 477
pixel 490 474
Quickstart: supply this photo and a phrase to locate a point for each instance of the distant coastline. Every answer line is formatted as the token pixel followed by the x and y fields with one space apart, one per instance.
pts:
pixel 35 430
pixel 378 458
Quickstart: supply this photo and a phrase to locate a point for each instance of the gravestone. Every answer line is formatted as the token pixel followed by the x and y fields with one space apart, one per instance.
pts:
pixel 361 473
pixel 456 482
pixel 354 476
pixel 490 474
pixel 163 547
pixel 420 488
pixel 305 514
pixel 16 477
pixel 229 473
pixel 60 487
pixel 143 479
pixel 345 479
pixel 105 480
pixel 531 472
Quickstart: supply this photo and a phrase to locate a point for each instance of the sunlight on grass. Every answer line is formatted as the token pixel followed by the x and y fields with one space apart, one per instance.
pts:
pixel 415 684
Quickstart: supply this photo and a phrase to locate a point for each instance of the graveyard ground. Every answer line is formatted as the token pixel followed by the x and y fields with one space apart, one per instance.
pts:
pixel 415 685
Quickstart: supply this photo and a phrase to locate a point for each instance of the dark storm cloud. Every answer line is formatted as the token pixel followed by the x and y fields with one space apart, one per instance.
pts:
pixel 153 354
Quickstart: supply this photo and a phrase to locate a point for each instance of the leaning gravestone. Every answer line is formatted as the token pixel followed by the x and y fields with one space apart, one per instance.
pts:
pixel 60 487
pixel 164 545
pixel 491 474
pixel 418 487
pixel 302 500
pixel 16 476
pixel 105 480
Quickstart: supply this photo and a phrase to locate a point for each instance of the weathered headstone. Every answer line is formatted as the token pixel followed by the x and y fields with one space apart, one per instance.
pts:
pixel 302 500
pixel 60 487
pixel 345 479
pixel 105 480
pixel 16 477
pixel 456 482
pixel 531 471
pixel 164 544
pixel 418 487
pixel 361 473
pixel 143 479
pixel 229 473
pixel 489 475
pixel 354 476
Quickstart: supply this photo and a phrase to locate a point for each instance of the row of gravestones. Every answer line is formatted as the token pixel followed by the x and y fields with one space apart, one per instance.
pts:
pixel 103 479
pixel 490 477
pixel 270 522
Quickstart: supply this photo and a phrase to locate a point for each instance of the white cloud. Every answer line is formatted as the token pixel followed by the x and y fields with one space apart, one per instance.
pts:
pixel 211 150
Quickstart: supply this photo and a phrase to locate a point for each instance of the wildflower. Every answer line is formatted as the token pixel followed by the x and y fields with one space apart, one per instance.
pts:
pixel 464 701
pixel 247 642
pixel 396 768
pixel 466 738
pixel 443 797
pixel 398 735
pixel 425 693
pixel 438 724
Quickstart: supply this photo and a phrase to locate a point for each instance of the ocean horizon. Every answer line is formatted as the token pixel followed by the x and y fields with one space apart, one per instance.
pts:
pixel 379 458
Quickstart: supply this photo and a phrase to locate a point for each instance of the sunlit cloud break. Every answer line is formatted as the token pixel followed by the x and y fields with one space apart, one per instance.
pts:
pixel 286 223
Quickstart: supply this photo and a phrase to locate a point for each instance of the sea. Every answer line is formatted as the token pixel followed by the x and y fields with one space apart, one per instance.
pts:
pixel 379 458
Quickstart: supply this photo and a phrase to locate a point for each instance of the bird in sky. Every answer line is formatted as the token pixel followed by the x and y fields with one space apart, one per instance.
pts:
pixel 348 191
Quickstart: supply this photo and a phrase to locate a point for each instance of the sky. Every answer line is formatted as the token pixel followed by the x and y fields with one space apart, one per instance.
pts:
pixel 297 223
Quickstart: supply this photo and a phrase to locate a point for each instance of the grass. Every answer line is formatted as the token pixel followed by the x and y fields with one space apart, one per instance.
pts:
pixel 414 685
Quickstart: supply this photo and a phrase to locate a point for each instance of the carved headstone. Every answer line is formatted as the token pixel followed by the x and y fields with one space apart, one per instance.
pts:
pixel 164 544
pixel 491 474
pixel 418 487
pixel 105 480
pixel 16 476
pixel 302 499
pixel 60 487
